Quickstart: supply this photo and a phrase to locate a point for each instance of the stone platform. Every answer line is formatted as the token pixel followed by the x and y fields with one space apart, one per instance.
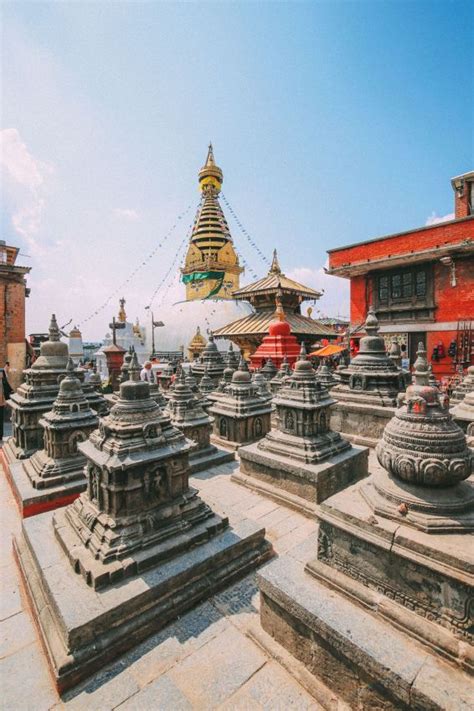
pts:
pixel 295 483
pixel 31 501
pixel 204 459
pixel 366 661
pixel 83 628
pixel 360 423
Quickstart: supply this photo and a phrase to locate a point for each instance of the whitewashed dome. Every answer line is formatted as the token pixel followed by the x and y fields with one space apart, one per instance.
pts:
pixel 183 317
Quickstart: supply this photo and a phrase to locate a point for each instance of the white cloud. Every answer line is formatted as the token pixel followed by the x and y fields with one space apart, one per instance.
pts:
pixel 334 301
pixel 125 213
pixel 23 179
pixel 434 219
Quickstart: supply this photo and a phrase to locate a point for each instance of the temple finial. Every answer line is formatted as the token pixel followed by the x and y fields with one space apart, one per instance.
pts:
pixel 122 316
pixel 279 311
pixel 70 366
pixel 275 267
pixel 134 368
pixel 421 369
pixel 371 323
pixel 303 352
pixel 53 329
pixel 210 155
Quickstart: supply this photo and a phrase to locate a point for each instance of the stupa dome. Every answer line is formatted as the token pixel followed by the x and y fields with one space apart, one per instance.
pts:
pixel 279 328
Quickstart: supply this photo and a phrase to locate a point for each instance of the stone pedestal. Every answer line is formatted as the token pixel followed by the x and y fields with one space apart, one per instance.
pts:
pixel 54 476
pixel 382 613
pixel 301 462
pixel 189 417
pixel 368 386
pixel 35 397
pixel 135 550
pixel 240 414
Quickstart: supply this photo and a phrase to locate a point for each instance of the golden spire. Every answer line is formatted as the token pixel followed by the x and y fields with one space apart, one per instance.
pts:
pixel 275 268
pixel 210 175
pixel 122 316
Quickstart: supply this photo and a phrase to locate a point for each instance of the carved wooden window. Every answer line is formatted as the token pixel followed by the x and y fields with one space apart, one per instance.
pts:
pixel 402 293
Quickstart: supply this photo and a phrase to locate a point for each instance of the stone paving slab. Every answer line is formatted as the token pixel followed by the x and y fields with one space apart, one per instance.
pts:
pixel 147 677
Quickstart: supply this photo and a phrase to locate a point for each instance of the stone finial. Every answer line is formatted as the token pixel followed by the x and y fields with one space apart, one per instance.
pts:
pixel 303 352
pixel 371 323
pixel 54 334
pixel 70 368
pixel 134 368
pixel 421 370
pixel 395 353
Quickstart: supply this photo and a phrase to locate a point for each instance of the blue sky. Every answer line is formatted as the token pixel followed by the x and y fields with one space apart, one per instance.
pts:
pixel 332 121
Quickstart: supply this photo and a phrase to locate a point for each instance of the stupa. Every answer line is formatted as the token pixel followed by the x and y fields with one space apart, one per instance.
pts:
pixel 165 377
pixel 463 413
pixel 211 360
pixel 196 345
pixel 135 550
pixel 127 359
pixel 241 415
pixel 262 384
pixel 284 372
pixel 231 358
pixel 395 355
pixel 76 347
pixel 187 415
pixel 464 387
pixel 124 335
pixel 381 615
pixel 211 271
pixel 206 388
pixel 301 462
pixel 35 397
pixel 324 376
pixel 278 344
pixel 54 476
pixel 156 392
pixel 367 394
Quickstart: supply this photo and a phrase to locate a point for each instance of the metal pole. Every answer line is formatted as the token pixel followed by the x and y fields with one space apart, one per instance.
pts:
pixel 152 335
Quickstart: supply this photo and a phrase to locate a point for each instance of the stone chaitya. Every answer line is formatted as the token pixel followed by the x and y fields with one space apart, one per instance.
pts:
pixel 54 476
pixel 187 415
pixel 262 384
pixel 269 370
pixel 231 358
pixel 463 413
pixel 301 462
pixel 135 550
pixel 165 378
pixel 284 371
pixel 383 614
pixel 241 415
pixel 35 396
pixel 211 360
pixel 206 388
pixel 465 386
pixel 324 376
pixel 156 392
pixel 367 392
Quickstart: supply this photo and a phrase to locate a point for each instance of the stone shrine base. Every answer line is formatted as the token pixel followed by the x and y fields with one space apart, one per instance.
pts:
pixel 82 628
pixel 360 423
pixel 31 501
pixel 366 661
pixel 296 484
pixel 203 459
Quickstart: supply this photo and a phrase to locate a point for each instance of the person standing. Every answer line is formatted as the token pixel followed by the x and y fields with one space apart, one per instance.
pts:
pixel 146 372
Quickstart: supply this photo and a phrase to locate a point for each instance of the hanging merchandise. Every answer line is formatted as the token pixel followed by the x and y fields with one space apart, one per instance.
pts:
pixel 452 349
pixel 435 355
pixel 441 353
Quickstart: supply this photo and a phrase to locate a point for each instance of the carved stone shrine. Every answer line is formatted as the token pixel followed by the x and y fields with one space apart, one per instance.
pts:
pixel 241 415
pixel 54 476
pixel 35 397
pixel 463 413
pixel 278 380
pixel 136 550
pixel 210 359
pixel 324 376
pixel 367 392
pixel 464 387
pixel 301 462
pixel 382 615
pixel 188 416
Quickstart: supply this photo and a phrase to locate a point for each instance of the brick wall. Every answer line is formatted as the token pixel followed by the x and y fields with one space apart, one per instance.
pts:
pixel 12 324
pixel 405 243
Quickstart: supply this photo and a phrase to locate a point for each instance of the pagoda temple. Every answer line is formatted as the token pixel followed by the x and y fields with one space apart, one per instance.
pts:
pixel 248 332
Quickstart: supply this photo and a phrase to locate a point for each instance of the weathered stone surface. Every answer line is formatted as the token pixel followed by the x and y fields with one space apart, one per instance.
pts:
pixel 360 656
pixel 210 361
pixel 241 414
pixel 301 460
pixel 372 380
pixel 463 413
pixel 464 387
pixel 54 476
pixel 138 524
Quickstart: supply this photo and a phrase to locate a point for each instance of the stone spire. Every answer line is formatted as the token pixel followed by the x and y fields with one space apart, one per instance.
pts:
pixel 231 358
pixel 262 385
pixel 324 375
pixel 372 376
pixel 36 395
pixel 283 373
pixel 211 358
pixel 55 474
pixel 241 414
pixel 301 459
pixel 155 391
pixel 423 449
pixel 463 413
pixel 269 370
pixel 125 365
pixel 464 387
pixel 395 353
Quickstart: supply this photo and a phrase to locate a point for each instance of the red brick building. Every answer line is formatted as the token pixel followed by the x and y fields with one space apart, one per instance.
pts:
pixel 421 283
pixel 13 292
